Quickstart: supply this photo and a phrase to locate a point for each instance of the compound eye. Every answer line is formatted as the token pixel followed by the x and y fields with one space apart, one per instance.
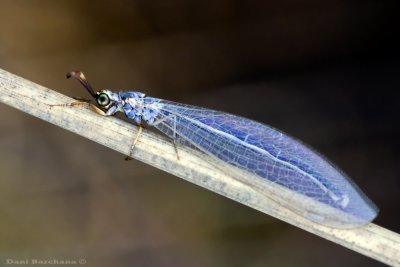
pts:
pixel 103 100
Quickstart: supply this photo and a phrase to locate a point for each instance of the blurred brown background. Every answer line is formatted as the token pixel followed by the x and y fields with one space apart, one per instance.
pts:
pixel 325 72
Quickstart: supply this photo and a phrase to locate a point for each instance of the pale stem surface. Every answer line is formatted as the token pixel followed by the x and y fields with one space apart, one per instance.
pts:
pixel 371 240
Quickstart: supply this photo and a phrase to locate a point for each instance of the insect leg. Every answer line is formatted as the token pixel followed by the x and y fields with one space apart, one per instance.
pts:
pixel 97 110
pixel 81 103
pixel 173 117
pixel 82 99
pixel 72 104
pixel 129 157
pixel 174 139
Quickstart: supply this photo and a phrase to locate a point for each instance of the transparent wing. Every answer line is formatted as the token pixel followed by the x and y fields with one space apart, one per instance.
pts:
pixel 308 183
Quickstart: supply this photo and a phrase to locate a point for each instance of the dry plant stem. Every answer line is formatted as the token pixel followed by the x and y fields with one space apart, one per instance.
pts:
pixel 371 240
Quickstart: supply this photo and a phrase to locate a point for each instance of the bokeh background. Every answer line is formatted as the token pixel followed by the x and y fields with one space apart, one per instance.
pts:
pixel 326 72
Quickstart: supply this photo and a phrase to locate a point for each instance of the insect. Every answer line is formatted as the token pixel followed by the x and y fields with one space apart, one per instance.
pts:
pixel 307 183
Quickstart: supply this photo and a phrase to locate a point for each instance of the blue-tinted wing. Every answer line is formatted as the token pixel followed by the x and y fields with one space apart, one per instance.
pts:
pixel 308 183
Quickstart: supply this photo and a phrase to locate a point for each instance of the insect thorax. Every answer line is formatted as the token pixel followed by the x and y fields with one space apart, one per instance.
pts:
pixel 139 108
